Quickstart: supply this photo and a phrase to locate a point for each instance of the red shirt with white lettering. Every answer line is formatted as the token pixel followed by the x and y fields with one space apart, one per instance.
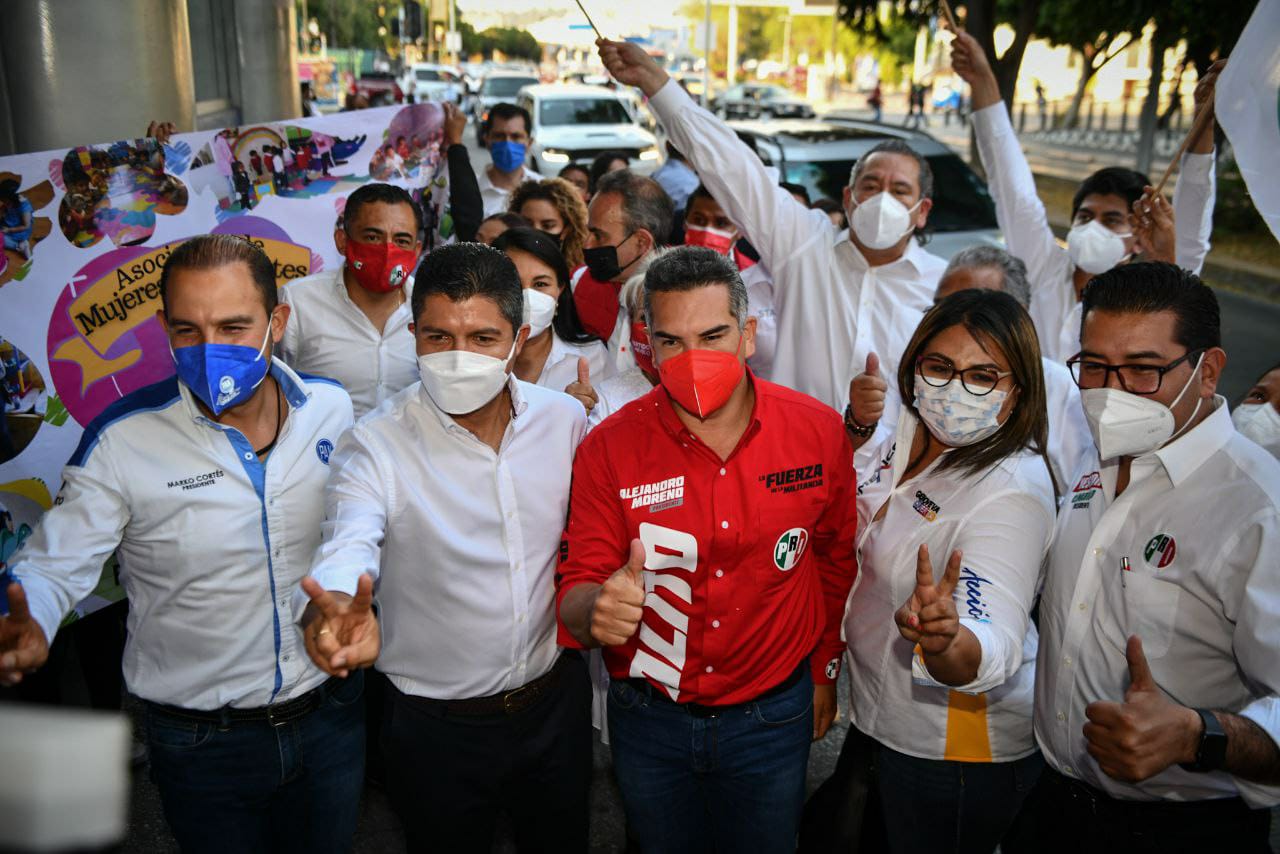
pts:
pixel 748 562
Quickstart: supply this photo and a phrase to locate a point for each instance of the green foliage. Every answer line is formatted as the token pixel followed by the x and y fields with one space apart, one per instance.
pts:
pixel 354 23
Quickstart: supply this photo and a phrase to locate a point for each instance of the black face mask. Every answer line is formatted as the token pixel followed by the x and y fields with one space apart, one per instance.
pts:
pixel 602 261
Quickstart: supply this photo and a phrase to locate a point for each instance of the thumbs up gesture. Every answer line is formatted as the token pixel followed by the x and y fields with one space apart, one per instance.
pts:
pixel 619 605
pixel 867 393
pixel 1137 739
pixel 581 389
pixel 929 617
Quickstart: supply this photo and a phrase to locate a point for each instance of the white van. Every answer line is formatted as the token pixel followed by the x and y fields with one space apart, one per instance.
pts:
pixel 573 124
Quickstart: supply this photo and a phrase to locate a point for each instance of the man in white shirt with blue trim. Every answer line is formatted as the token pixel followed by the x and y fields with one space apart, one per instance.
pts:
pixel 209 486
pixel 453 495
pixel 1157 682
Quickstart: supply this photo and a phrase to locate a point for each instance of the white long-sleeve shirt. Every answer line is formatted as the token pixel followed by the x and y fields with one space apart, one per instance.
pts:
pixel 1002 520
pixel 329 336
pixel 1069 437
pixel 1028 236
pixel 211 541
pixel 1200 526
pixel 462 541
pixel 833 307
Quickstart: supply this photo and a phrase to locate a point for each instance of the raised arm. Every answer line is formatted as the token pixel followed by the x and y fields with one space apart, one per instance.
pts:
pixel 465 202
pixel 1196 189
pixel 775 223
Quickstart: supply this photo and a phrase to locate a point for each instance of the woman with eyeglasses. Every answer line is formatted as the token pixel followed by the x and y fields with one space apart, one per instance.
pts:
pixel 954 522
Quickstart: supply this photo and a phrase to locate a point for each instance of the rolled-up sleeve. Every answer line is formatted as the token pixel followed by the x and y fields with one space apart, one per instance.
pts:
pixel 1193 200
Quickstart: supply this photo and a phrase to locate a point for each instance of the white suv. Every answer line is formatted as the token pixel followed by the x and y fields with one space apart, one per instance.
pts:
pixel 576 123
pixel 426 81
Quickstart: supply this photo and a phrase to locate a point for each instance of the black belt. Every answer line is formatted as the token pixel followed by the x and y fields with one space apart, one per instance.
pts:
pixel 277 714
pixel 1102 805
pixel 698 710
pixel 504 702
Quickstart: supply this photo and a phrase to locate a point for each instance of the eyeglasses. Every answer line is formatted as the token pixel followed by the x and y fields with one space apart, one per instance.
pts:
pixel 1135 379
pixel 937 372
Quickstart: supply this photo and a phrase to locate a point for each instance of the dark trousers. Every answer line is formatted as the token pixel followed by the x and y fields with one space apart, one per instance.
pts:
pixel 729 783
pixel 248 786
pixel 450 775
pixel 1065 815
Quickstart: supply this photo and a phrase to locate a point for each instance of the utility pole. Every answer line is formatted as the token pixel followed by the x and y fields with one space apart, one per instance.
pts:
pixel 732 70
pixel 706 62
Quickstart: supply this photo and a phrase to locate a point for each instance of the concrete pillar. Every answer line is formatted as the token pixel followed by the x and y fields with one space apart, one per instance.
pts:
pixel 268 61
pixel 78 71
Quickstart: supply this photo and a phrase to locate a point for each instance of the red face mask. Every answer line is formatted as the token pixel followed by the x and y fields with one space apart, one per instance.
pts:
pixel 702 381
pixel 711 238
pixel 380 267
pixel 641 349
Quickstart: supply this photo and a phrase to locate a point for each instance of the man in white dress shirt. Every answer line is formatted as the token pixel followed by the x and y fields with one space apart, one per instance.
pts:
pixel 453 495
pixel 839 295
pixel 1157 676
pixel 352 324
pixel 209 486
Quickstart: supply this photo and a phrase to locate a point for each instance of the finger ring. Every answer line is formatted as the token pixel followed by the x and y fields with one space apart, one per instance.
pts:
pixel 323 632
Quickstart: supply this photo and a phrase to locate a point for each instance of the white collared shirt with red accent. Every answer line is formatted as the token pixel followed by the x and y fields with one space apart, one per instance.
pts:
pixel 749 560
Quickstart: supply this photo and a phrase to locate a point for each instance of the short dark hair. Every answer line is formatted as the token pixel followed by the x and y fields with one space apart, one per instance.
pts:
pixel 505 112
pixel 387 194
pixel 701 192
pixel 1111 181
pixel 461 271
pixel 544 248
pixel 600 166
pixel 211 251
pixel 644 203
pixel 1147 287
pixel 796 190
pixel 575 167
pixel 686 268
pixel 508 218
pixel 897 146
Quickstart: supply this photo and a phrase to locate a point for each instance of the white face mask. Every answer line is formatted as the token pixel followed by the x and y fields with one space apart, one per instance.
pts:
pixel 956 416
pixel 881 221
pixel 1095 248
pixel 459 381
pixel 1261 423
pixel 539 311
pixel 1129 425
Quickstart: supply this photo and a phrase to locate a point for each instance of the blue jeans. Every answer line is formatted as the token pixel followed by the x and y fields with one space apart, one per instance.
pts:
pixel 941 806
pixel 246 786
pixel 730 783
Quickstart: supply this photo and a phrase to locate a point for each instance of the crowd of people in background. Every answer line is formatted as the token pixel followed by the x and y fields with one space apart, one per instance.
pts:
pixel 668 456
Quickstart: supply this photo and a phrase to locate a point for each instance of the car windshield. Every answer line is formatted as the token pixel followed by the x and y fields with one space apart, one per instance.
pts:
pixel 772 93
pixel 427 74
pixel 960 199
pixel 583 111
pixel 505 87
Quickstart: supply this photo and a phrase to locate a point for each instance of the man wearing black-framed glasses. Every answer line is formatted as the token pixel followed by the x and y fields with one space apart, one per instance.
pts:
pixel 1158 688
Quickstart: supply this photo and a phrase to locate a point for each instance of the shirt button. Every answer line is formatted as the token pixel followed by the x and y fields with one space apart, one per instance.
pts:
pixel 724 524
pixel 710 668
pixel 715 624
pixel 719 573
pixel 722 472
pixel 1097 552
pixel 1082 606
pixel 1061 716
pixel 248 455
pixel 1066 660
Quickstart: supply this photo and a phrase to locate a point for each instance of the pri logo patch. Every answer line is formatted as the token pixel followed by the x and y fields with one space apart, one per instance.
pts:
pixel 1160 551
pixel 1085 490
pixel 833 668
pixel 323 449
pixel 789 548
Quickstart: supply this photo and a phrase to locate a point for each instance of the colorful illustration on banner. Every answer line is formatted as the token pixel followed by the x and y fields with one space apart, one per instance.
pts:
pixel 242 166
pixel 116 191
pixel 105 340
pixel 21 228
pixel 23 400
pixel 410 148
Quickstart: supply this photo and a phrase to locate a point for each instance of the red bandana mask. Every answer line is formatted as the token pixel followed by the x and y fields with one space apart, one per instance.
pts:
pixel 380 267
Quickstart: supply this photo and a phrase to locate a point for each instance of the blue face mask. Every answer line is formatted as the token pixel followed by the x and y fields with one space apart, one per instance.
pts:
pixel 222 375
pixel 508 156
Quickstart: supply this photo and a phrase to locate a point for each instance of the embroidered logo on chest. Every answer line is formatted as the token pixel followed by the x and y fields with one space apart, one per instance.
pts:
pixel 661 495
pixel 926 507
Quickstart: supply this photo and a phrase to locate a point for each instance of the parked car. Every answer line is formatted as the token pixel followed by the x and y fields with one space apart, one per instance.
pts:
pixel 761 100
pixel 499 86
pixel 427 81
pixel 820 155
pixel 380 88
pixel 576 123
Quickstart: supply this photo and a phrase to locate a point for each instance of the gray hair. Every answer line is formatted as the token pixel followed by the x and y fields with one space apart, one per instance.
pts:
pixel 897 146
pixel 686 268
pixel 993 257
pixel 644 203
pixel 631 295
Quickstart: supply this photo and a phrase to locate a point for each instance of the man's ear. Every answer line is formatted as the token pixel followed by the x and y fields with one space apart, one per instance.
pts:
pixel 645 239
pixel 279 320
pixel 922 212
pixel 846 196
pixel 749 338
pixel 340 241
pixel 1215 360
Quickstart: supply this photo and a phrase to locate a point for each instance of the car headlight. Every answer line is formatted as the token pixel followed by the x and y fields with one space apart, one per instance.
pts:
pixel 552 156
pixel 650 153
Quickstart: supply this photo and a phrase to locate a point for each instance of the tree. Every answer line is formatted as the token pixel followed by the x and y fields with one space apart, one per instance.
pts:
pixel 1098 31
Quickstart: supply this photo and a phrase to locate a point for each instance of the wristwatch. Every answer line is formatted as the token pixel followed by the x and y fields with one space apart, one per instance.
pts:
pixel 1211 754
pixel 853 426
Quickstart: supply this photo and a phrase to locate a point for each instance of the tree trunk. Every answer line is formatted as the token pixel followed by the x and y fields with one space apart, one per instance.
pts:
pixel 1150 105
pixel 1072 117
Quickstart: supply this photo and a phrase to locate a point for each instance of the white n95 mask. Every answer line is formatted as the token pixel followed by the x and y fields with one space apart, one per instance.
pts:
pixel 1261 423
pixel 881 221
pixel 1129 425
pixel 539 311
pixel 459 381
pixel 1095 248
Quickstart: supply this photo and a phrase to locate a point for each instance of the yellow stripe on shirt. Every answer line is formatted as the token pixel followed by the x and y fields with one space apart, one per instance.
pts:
pixel 967 737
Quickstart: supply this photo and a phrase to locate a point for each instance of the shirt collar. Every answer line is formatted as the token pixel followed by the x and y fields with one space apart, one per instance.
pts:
pixel 1185 454
pixel 675 427
pixel 911 258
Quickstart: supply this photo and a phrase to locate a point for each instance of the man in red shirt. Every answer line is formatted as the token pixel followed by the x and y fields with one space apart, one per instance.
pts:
pixel 710 551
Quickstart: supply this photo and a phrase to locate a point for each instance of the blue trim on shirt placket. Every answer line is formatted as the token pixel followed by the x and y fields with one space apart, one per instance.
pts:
pixel 257 476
